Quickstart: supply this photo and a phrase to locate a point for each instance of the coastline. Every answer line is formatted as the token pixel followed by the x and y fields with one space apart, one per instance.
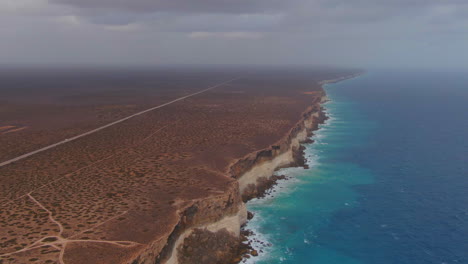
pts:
pixel 253 175
pixel 333 213
pixel 264 163
pixel 268 185
pixel 340 79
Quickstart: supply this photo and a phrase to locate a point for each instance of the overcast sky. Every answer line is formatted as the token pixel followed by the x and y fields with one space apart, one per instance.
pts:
pixel 358 33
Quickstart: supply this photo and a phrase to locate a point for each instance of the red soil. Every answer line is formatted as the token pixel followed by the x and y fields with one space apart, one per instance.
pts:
pixel 107 197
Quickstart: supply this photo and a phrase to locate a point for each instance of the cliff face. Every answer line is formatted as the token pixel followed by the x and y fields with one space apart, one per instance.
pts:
pixel 218 217
pixel 255 171
pixel 148 188
pixel 209 230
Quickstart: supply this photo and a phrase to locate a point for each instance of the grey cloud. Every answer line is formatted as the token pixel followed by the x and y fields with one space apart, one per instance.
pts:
pixel 181 15
pixel 384 9
pixel 356 33
pixel 217 22
pixel 180 6
pixel 392 3
pixel 113 19
pixel 219 15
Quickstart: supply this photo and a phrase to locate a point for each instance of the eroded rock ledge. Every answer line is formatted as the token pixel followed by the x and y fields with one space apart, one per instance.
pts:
pixel 255 171
pixel 209 230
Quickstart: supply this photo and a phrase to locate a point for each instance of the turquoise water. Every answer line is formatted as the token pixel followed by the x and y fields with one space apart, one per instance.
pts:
pixel 388 181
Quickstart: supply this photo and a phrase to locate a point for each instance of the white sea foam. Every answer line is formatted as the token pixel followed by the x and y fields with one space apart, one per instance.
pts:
pixel 260 241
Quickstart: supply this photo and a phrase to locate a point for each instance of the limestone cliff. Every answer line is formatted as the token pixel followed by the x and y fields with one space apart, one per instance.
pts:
pixel 209 230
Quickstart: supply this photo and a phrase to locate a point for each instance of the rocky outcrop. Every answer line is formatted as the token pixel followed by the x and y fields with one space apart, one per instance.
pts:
pixel 221 237
pixel 255 171
pixel 224 213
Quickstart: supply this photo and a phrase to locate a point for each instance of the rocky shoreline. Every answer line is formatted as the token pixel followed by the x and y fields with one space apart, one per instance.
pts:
pixel 254 176
pixel 209 230
pixel 265 184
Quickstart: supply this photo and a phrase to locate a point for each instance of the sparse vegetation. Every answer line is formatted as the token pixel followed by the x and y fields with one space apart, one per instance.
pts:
pixel 139 172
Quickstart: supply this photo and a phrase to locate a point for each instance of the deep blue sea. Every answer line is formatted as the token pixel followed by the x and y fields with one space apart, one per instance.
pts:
pixel 388 182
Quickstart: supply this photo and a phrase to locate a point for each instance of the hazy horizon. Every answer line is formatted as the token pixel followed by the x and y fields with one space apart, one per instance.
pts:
pixel 368 34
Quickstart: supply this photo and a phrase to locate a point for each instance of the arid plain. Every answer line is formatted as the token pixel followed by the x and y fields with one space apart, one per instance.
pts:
pixel 109 196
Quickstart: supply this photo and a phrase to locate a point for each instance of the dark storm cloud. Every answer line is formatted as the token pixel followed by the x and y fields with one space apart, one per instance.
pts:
pixel 180 6
pixel 345 32
pixel 247 6
pixel 296 13
pixel 179 15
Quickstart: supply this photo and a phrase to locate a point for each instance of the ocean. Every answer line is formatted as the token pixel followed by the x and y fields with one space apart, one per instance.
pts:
pixel 388 178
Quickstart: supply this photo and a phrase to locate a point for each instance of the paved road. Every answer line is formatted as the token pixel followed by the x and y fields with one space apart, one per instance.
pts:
pixel 111 124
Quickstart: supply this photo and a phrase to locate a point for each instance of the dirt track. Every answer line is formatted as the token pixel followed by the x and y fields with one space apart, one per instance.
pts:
pixel 111 194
